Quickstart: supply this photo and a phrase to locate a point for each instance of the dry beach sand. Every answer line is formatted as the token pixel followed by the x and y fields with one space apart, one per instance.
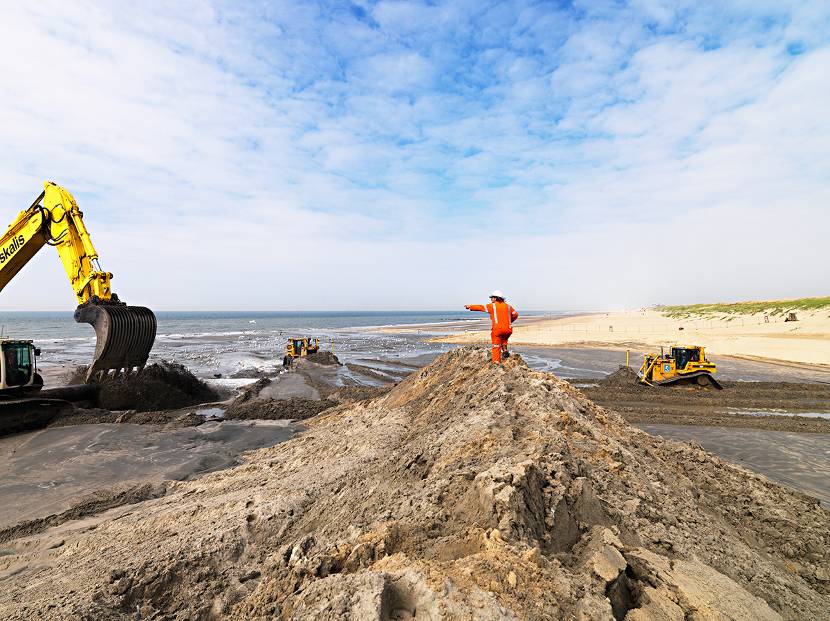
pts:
pixel 806 341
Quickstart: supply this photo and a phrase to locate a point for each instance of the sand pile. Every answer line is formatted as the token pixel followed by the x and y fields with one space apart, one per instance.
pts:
pixel 296 408
pixel 468 491
pixel 322 357
pixel 250 405
pixel 622 377
pixel 160 386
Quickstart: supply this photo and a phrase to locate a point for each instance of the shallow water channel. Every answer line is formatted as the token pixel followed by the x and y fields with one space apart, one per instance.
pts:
pixel 799 460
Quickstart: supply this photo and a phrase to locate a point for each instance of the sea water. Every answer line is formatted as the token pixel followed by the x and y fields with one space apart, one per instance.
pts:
pixel 213 343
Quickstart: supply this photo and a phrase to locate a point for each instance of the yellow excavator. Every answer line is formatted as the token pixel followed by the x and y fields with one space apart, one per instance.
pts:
pixel 125 334
pixel 681 366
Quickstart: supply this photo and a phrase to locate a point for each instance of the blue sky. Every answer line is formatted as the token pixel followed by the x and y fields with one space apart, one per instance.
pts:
pixel 395 155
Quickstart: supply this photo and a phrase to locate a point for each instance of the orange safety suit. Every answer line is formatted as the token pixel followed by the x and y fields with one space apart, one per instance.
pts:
pixel 502 315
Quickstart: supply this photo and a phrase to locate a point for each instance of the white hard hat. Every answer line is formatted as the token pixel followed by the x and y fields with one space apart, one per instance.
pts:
pixel 498 293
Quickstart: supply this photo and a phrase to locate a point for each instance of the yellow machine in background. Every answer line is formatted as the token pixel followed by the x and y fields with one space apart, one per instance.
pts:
pixel 298 347
pixel 125 334
pixel 682 365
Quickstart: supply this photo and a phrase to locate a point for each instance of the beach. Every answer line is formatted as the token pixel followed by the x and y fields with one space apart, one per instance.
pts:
pixel 464 482
pixel 330 415
pixel 802 342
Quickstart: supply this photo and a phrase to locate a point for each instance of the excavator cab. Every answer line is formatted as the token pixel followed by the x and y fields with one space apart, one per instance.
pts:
pixel 18 368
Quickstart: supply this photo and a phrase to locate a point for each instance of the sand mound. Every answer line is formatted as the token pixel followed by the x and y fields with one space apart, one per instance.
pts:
pixel 468 491
pixel 249 405
pixel 622 377
pixel 322 357
pixel 296 408
pixel 160 386
pixel 252 391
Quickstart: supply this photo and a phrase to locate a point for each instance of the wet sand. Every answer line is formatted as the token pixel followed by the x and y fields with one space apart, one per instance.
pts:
pixel 48 471
pixel 801 461
pixel 591 362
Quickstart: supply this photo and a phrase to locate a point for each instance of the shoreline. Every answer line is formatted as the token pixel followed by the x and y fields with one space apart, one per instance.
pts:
pixel 806 342
pixel 455 325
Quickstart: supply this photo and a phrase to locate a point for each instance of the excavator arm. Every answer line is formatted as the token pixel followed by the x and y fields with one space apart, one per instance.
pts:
pixel 125 334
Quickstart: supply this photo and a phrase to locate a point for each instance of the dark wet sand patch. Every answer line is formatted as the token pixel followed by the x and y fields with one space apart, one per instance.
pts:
pixel 48 471
pixel 801 461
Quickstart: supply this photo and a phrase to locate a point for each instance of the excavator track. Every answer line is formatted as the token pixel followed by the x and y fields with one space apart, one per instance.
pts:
pixel 703 379
pixel 34 408
pixel 18 415
pixel 125 336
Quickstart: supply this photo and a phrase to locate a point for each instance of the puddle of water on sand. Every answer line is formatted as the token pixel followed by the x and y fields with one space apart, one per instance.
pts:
pixel 382 365
pixel 775 412
pixel 210 413
pixel 356 379
pixel 541 363
pixel 230 383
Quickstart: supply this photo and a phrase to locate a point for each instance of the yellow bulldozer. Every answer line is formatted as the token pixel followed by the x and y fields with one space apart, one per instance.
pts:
pixel 299 346
pixel 681 366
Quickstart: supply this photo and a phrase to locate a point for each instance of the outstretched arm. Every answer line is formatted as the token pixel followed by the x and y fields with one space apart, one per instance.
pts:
pixel 476 307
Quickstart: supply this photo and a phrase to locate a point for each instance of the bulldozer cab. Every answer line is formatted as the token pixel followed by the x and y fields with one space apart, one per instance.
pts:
pixel 684 355
pixel 19 368
pixel 298 347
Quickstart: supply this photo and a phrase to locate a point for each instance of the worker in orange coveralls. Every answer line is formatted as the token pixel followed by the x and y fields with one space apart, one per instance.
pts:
pixel 502 315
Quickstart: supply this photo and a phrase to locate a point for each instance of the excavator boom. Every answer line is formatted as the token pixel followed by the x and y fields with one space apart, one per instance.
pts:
pixel 125 334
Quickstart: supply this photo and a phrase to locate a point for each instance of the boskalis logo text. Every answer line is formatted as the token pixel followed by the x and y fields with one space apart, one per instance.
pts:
pixel 13 247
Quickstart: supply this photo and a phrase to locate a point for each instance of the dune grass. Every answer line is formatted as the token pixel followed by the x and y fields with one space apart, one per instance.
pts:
pixel 774 307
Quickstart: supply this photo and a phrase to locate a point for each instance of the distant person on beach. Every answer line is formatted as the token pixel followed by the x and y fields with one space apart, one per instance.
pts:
pixel 502 316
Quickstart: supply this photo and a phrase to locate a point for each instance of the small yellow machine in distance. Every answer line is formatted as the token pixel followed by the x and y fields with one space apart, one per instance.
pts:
pixel 298 347
pixel 682 365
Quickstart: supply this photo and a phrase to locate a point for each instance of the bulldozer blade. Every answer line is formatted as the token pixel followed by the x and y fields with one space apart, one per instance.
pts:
pixel 125 336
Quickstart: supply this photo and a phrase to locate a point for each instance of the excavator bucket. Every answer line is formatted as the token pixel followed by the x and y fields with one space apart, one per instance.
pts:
pixel 125 337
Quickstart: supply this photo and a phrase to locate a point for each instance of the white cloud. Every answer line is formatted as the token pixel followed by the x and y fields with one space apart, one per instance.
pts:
pixel 409 155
